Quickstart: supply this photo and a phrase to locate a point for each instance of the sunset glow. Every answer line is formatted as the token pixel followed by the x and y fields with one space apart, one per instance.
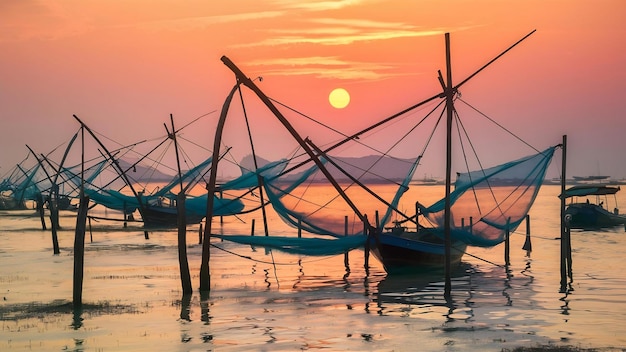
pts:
pixel 127 66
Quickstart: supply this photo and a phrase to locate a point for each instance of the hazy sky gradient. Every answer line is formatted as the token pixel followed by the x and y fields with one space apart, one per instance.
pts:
pixel 124 66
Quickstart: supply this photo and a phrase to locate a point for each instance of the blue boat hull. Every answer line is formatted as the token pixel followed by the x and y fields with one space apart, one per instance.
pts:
pixel 406 252
pixel 590 216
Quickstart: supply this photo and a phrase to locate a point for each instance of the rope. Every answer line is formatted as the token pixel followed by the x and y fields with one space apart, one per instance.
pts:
pixel 497 124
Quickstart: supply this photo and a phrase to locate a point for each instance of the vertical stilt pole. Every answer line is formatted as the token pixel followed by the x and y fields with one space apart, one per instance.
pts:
pixel 125 216
pixel 183 263
pixel 200 234
pixel 417 216
pixel 507 243
pixel 221 216
pixel 449 92
pixel 527 245
pixel 367 243
pixel 40 210
pixel 90 231
pixel 564 224
pixel 54 217
pixel 79 251
pixel 346 261
pixel 299 228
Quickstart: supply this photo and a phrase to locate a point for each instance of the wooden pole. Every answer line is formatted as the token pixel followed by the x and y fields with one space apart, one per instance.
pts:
pixel 40 210
pixel 54 216
pixel 79 251
pixel 417 216
pixel 564 224
pixel 449 92
pixel 346 261
pixel 79 234
pixel 507 243
pixel 183 263
pixel 299 228
pixel 90 231
pixel 528 247
pixel 367 231
pixel 205 276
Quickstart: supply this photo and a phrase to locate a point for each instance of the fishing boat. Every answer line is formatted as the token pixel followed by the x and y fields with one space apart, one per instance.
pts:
pixel 594 212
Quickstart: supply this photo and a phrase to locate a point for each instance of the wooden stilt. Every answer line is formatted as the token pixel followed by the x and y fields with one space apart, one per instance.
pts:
pixel 185 277
pixel 565 233
pixel 449 93
pixel 79 252
pixel 299 228
pixel 54 217
pixel 40 210
pixel 528 247
pixel 346 260
pixel 367 231
pixel 507 243
pixel 90 232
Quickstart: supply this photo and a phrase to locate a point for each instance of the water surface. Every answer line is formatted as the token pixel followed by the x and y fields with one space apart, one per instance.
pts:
pixel 264 301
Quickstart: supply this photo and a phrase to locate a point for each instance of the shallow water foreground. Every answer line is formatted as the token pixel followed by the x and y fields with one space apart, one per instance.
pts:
pixel 269 301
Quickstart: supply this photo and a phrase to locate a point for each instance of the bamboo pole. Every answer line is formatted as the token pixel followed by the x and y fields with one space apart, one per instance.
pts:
pixel 528 247
pixel 40 210
pixel 449 93
pixel 183 263
pixel 507 243
pixel 79 251
pixel 564 223
pixel 205 276
pixel 346 260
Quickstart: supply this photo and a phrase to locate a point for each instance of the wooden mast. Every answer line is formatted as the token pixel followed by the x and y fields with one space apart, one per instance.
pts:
pixel 183 263
pixel 449 92
pixel 205 275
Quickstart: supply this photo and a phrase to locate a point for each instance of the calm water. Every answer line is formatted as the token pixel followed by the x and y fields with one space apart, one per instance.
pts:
pixel 268 301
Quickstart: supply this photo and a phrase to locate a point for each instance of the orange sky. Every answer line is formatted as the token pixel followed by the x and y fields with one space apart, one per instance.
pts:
pixel 124 66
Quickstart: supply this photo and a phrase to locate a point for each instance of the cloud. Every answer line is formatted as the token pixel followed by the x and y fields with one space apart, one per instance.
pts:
pixel 333 31
pixel 325 67
pixel 193 23
pixel 322 5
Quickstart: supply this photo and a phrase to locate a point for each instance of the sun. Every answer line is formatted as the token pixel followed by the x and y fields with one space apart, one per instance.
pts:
pixel 339 98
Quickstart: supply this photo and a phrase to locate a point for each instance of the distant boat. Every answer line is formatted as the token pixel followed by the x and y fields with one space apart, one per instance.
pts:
pixel 592 215
pixel 590 178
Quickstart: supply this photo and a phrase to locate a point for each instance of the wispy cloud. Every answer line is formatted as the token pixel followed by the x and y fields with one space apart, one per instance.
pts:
pixel 322 5
pixel 193 23
pixel 334 31
pixel 325 67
